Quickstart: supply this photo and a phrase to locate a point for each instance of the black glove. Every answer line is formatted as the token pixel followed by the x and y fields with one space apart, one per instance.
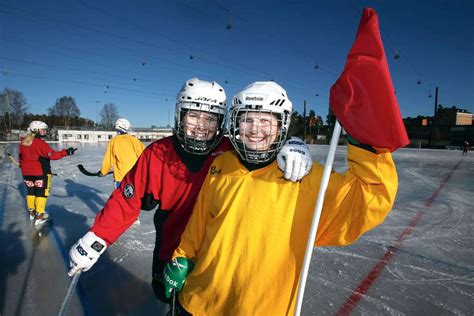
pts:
pixel 70 151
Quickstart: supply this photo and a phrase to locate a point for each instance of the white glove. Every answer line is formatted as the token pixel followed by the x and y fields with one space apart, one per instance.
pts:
pixel 294 159
pixel 85 252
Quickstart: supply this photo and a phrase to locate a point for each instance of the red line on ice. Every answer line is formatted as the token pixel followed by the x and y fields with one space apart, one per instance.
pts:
pixel 367 282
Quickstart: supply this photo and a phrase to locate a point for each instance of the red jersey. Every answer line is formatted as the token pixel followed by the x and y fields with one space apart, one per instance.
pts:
pixel 35 159
pixel 161 173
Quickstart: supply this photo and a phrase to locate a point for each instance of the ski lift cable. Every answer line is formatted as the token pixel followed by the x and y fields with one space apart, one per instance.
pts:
pixel 90 29
pixel 71 70
pixel 58 51
pixel 134 24
pixel 114 87
pixel 388 43
pixel 124 38
pixel 184 69
pixel 120 37
pixel 246 20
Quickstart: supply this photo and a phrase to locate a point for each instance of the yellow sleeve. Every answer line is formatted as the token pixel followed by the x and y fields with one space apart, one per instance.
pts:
pixel 108 158
pixel 193 235
pixel 358 200
pixel 138 147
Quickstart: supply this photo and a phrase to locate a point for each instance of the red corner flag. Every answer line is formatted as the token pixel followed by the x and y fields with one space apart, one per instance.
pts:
pixel 363 98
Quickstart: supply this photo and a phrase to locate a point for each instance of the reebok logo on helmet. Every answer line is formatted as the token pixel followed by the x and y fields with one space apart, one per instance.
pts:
pixel 254 98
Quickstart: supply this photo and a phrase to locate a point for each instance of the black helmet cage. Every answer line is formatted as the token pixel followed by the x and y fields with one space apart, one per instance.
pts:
pixel 196 146
pixel 255 156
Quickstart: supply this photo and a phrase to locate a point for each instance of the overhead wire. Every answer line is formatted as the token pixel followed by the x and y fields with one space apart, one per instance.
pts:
pixel 31 15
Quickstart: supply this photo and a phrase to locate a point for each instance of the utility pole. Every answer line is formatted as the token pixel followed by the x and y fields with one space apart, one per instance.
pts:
pixel 434 118
pixel 304 121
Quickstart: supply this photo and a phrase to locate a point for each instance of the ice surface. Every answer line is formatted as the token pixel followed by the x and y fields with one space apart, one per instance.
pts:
pixel 431 273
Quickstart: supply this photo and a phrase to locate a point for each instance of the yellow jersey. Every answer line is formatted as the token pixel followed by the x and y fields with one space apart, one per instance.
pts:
pixel 121 154
pixel 248 231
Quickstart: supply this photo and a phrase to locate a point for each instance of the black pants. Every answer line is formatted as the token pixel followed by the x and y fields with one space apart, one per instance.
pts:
pixel 38 186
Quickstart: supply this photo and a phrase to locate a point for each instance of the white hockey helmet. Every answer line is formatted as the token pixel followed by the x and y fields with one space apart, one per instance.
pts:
pixel 260 97
pixel 122 125
pixel 36 126
pixel 203 96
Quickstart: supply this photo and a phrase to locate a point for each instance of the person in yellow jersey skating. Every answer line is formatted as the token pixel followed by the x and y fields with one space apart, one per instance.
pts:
pixel 243 248
pixel 122 152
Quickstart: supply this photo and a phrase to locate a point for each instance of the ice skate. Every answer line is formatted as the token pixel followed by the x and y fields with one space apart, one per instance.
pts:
pixel 41 219
pixel 31 214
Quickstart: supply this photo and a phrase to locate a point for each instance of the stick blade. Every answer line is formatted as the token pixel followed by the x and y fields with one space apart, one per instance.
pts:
pixel 87 173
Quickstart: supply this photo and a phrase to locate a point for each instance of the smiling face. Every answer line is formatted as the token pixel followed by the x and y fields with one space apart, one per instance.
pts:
pixel 42 132
pixel 258 130
pixel 200 125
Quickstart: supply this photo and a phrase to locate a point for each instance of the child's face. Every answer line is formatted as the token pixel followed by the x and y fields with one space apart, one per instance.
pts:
pixel 258 130
pixel 200 125
pixel 42 132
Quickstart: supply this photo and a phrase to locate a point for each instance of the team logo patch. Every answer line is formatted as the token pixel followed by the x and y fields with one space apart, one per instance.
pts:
pixel 214 171
pixel 29 184
pixel 128 191
pixel 39 183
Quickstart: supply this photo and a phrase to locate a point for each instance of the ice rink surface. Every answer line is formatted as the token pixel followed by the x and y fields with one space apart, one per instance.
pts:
pixel 420 261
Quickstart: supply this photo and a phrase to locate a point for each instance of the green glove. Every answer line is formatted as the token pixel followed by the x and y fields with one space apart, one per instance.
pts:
pixel 352 141
pixel 174 274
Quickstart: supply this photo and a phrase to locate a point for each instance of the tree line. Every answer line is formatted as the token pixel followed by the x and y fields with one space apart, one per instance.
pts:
pixel 64 113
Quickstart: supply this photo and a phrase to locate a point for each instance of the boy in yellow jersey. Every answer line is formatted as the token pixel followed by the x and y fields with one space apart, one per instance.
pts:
pixel 122 152
pixel 243 248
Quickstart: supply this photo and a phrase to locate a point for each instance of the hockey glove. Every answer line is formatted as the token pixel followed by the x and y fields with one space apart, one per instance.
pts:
pixel 70 151
pixel 85 252
pixel 175 273
pixel 294 159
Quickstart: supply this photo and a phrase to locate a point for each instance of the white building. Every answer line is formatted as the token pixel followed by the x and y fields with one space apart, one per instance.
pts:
pixel 86 136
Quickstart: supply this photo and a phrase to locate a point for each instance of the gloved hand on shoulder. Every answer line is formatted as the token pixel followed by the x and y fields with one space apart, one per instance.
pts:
pixel 294 159
pixel 175 273
pixel 70 151
pixel 85 252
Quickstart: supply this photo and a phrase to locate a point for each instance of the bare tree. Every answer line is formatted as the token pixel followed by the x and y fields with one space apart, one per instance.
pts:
pixel 65 108
pixel 108 115
pixel 13 106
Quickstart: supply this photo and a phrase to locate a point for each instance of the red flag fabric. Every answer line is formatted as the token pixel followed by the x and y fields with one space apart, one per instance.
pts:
pixel 363 98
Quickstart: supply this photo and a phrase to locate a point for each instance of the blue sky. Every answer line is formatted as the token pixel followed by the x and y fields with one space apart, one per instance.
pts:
pixel 136 54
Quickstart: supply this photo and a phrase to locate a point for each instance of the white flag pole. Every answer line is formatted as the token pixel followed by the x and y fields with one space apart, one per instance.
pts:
pixel 317 214
pixel 69 293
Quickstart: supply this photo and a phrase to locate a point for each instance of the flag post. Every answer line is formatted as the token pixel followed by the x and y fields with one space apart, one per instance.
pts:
pixel 317 215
